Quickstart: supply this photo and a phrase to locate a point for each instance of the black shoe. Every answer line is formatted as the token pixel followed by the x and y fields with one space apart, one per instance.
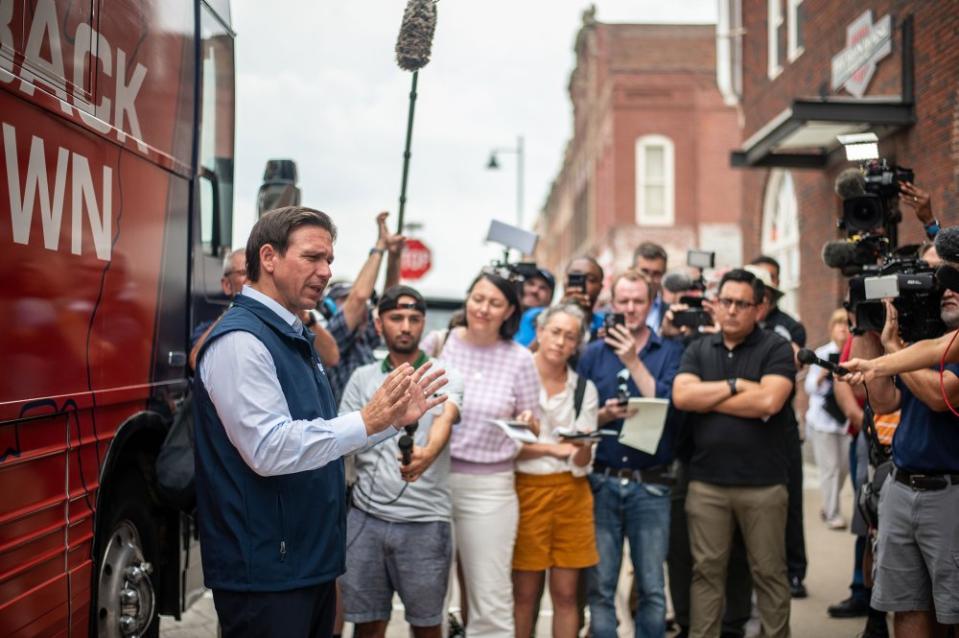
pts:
pixel 852 607
pixel 796 588
pixel 876 626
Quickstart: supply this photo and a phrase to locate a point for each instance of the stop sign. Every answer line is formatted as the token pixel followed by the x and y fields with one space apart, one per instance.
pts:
pixel 416 260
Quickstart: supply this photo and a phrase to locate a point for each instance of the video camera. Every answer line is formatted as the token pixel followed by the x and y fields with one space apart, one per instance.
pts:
pixel 513 237
pixel 695 316
pixel 869 256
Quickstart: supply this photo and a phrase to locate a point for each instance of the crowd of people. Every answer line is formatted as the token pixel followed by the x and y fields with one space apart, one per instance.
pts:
pixel 488 452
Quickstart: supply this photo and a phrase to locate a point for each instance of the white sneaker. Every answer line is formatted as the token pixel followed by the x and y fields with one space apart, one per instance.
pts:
pixel 836 522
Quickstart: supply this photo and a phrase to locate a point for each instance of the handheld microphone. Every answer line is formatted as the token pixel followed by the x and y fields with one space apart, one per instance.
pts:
pixel 406 448
pixel 415 40
pixel 808 357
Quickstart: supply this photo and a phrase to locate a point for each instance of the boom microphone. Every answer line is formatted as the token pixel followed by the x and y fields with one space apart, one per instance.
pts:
pixel 850 183
pixel 808 357
pixel 416 35
pixel 947 244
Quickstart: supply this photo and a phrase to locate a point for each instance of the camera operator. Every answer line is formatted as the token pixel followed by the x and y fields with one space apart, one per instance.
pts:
pixel 927 352
pixel 584 282
pixel 538 289
pixel 630 488
pixel 916 572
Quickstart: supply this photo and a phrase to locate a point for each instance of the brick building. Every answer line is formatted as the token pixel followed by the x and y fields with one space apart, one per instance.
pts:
pixel 804 71
pixel 649 156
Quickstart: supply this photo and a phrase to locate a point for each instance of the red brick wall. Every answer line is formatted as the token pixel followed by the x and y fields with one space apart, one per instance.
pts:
pixel 930 147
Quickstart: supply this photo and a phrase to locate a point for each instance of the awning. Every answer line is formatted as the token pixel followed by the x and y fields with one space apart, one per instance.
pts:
pixel 804 135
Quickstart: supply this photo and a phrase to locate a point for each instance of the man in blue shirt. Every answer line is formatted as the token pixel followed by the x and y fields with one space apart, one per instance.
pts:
pixel 269 475
pixel 917 574
pixel 630 488
pixel 650 260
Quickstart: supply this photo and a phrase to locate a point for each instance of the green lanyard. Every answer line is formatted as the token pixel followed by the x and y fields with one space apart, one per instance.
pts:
pixel 387 366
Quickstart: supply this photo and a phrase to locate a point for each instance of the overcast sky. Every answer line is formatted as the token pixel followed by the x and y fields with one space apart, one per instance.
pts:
pixel 317 82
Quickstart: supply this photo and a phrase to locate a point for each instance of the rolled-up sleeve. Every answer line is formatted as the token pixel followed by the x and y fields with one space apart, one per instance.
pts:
pixel 240 377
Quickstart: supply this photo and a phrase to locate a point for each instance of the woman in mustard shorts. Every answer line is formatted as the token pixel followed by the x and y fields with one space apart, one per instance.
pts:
pixel 556 530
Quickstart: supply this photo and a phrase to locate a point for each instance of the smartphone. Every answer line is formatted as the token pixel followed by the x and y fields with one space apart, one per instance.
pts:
pixel 613 319
pixel 576 280
pixel 692 301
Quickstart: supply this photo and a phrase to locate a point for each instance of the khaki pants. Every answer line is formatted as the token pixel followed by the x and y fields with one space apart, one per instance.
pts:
pixel 713 512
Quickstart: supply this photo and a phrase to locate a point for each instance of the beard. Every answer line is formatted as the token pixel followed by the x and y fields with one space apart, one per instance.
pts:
pixel 398 348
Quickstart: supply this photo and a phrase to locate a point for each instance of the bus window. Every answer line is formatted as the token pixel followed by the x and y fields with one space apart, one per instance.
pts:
pixel 216 134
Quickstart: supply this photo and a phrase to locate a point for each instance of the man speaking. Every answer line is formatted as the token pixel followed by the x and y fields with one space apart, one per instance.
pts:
pixel 270 486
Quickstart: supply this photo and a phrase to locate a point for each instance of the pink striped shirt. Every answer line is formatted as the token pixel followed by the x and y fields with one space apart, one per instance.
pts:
pixel 500 381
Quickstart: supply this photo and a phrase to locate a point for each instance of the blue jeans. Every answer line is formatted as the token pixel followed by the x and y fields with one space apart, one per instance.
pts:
pixel 639 512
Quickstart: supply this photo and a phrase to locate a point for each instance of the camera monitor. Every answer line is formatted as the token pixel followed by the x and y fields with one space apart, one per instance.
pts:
pixel 512 237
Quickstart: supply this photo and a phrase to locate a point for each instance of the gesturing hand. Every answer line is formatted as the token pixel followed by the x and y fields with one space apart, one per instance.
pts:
pixel 916 199
pixel 422 393
pixel 390 401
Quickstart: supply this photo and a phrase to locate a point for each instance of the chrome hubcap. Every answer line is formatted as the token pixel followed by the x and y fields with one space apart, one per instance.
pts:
pixel 125 594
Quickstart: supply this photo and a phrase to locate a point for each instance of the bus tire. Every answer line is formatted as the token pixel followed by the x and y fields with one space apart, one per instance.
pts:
pixel 124 596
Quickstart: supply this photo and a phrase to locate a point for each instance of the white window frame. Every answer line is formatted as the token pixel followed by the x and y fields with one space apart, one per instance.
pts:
pixel 774 20
pixel 793 48
pixel 781 206
pixel 669 182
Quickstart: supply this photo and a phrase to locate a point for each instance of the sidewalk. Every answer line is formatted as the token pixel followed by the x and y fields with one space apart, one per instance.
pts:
pixel 830 569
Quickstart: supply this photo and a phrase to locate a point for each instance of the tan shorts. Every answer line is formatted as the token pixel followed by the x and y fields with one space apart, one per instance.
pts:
pixel 555 523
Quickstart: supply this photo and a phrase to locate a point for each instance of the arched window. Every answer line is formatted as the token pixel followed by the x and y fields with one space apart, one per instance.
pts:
pixel 654 181
pixel 780 235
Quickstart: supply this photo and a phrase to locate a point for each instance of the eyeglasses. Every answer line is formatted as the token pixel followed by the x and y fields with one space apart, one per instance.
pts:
pixel 728 303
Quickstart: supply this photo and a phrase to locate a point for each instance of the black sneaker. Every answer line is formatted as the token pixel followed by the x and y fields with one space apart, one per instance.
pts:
pixel 796 588
pixel 876 626
pixel 852 607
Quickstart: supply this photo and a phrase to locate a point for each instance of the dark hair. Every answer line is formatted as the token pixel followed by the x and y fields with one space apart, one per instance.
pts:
pixel 590 260
pixel 510 290
pixel 649 250
pixel 742 276
pixel 767 261
pixel 275 228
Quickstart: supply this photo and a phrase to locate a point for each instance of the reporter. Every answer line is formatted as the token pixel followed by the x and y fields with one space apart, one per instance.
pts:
pixel 826 425
pixel 556 505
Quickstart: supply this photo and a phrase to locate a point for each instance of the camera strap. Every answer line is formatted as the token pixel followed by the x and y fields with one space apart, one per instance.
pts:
pixel 578 395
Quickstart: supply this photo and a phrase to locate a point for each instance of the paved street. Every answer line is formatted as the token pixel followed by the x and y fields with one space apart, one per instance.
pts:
pixel 830 566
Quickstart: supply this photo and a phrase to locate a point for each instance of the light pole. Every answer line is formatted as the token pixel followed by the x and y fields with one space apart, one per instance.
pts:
pixel 493 164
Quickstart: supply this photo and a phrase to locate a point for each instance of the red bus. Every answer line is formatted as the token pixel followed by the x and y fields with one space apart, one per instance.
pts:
pixel 116 173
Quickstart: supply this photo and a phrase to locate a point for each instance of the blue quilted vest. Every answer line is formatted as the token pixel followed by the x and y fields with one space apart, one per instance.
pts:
pixel 272 533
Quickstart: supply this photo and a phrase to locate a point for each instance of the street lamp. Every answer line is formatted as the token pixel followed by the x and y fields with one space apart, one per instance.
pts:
pixel 493 165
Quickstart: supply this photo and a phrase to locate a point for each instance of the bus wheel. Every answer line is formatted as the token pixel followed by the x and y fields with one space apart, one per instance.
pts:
pixel 125 597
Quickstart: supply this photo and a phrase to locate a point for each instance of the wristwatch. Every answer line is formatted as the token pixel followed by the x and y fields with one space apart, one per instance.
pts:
pixel 311 318
pixel 377 251
pixel 732 386
pixel 932 228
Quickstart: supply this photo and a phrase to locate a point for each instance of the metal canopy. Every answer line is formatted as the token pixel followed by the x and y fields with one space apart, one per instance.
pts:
pixel 804 135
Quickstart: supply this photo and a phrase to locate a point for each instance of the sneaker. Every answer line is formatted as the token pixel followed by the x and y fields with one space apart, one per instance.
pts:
pixel 876 626
pixel 852 607
pixel 796 588
pixel 836 522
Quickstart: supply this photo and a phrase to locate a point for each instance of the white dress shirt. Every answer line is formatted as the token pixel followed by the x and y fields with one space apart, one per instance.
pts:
pixel 559 413
pixel 816 416
pixel 238 373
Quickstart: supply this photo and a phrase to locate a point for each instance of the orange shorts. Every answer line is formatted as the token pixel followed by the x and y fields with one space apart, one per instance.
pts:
pixel 555 523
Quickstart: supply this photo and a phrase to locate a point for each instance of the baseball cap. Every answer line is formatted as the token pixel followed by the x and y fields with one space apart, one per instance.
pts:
pixel 339 290
pixel 763 275
pixel 547 276
pixel 391 297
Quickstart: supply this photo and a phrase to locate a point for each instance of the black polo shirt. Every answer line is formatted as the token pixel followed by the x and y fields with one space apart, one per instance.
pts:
pixel 731 450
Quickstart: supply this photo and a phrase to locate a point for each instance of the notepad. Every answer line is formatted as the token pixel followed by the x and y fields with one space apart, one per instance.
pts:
pixel 515 430
pixel 644 428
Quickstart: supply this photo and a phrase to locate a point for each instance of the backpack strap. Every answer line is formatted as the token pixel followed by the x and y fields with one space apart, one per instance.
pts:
pixel 578 395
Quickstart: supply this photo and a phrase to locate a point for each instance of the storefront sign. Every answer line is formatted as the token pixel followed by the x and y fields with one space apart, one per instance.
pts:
pixel 866 45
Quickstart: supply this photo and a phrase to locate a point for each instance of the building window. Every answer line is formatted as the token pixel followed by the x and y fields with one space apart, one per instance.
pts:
pixel 797 22
pixel 775 27
pixel 780 235
pixel 654 181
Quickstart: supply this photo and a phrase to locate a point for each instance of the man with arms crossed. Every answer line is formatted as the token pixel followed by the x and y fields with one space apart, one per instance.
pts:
pixel 269 474
pixel 737 383
pixel 398 531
